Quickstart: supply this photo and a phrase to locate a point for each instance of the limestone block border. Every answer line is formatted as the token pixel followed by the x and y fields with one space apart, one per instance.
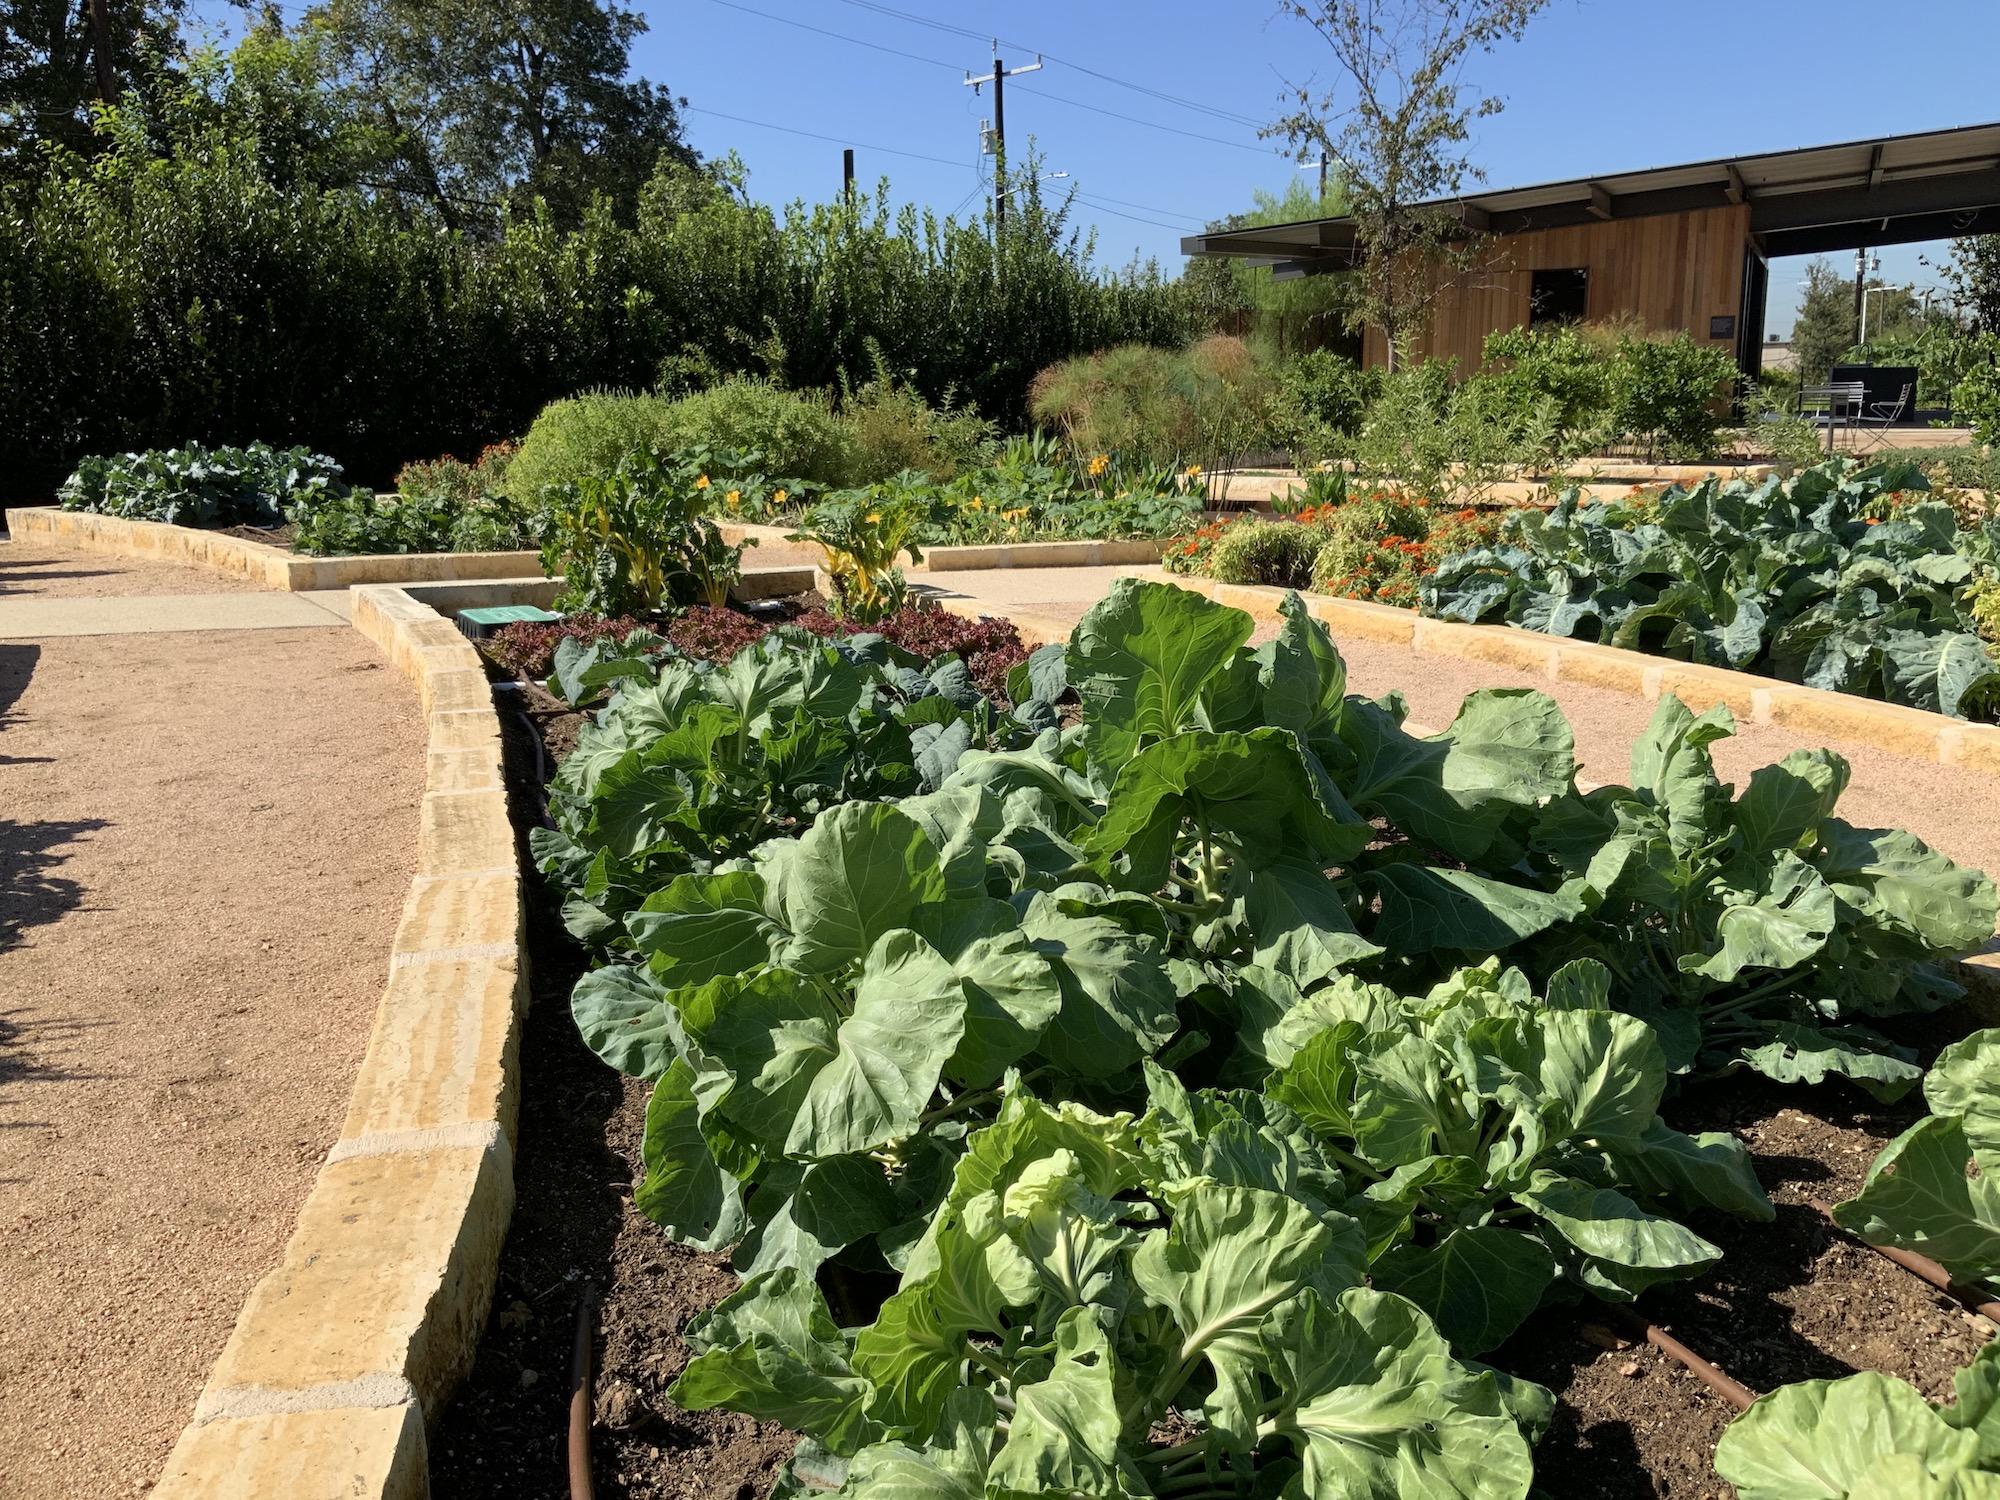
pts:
pixel 772 547
pixel 356 1338
pixel 260 562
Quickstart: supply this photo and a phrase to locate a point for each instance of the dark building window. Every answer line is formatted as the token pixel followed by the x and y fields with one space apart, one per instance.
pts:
pixel 1558 297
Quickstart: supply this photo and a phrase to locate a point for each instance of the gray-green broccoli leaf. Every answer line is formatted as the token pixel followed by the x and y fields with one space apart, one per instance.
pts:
pixel 1919 1196
pixel 1381 1411
pixel 1829 1439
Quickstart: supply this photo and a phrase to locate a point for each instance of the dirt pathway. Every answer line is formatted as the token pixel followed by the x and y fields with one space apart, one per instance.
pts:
pixel 1948 807
pixel 204 843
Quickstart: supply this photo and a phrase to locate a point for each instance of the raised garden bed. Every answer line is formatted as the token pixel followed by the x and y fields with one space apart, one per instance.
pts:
pixel 275 567
pixel 1789 1299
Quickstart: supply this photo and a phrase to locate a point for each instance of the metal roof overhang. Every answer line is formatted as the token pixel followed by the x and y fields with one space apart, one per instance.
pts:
pixel 1894 190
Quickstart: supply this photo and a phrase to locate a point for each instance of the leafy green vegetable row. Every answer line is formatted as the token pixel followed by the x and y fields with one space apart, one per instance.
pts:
pixel 1242 902
pixel 1819 580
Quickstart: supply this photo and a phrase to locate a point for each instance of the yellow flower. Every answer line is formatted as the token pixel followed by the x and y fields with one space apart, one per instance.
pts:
pixel 778 497
pixel 1194 471
pixel 1014 515
pixel 977 502
pixel 733 499
pixel 873 518
pixel 701 483
pixel 1099 464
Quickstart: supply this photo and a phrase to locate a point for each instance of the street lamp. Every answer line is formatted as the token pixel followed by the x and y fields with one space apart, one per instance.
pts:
pixel 1864 307
pixel 1045 177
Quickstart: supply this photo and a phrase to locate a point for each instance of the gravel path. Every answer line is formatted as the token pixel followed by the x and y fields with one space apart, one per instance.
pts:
pixel 28 570
pixel 1947 806
pixel 205 839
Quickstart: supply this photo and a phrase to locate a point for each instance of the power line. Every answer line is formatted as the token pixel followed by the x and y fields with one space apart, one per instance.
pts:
pixel 838 36
pixel 1192 135
pixel 1136 219
pixel 837 140
pixel 1123 83
pixel 1171 213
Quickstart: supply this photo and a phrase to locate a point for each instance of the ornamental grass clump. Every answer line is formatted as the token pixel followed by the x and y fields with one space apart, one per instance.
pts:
pixel 1281 554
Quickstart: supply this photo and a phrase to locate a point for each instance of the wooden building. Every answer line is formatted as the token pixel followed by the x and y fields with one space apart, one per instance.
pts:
pixel 1677 248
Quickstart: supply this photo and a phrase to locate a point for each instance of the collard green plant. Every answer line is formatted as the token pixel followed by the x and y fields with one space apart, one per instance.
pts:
pixel 1499 1141
pixel 1223 835
pixel 196 485
pixel 1820 579
pixel 1869 1437
pixel 691 765
pixel 413 520
pixel 1756 929
pixel 1089 1278
pixel 1935 1189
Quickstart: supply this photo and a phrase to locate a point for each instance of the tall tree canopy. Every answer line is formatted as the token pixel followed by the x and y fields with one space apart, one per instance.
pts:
pixel 1971 276
pixel 1825 328
pixel 57 57
pixel 498 101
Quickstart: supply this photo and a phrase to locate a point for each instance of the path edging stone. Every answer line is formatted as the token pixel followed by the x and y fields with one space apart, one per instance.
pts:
pixel 260 562
pixel 771 541
pixel 355 1339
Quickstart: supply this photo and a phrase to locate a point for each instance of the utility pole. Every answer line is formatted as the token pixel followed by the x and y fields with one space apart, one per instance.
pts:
pixel 997 137
pixel 1306 166
pixel 1860 289
pixel 847 174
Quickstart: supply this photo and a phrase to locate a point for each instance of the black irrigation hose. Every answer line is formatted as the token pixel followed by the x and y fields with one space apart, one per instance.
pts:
pixel 513 691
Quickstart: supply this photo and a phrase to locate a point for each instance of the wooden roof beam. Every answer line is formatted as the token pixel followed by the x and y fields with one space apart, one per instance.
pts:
pixel 1875 167
pixel 1738 190
pixel 1473 217
pixel 1602 205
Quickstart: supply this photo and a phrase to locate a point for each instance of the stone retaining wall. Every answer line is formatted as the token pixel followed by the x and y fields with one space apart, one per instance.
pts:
pixel 772 548
pixel 262 563
pixel 371 1318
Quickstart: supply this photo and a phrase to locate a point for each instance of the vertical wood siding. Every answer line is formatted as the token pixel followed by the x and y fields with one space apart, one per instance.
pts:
pixel 1673 272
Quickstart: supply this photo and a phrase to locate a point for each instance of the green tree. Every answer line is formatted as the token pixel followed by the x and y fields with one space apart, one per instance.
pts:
pixel 1824 330
pixel 1279 317
pixel 1400 140
pixel 57 57
pixel 498 102
pixel 1971 277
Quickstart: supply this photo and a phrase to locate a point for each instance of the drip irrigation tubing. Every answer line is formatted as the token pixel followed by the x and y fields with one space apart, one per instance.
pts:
pixel 1735 1392
pixel 580 1387
pixel 1924 1269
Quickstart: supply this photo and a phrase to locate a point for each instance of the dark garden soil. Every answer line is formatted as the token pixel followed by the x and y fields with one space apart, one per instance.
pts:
pixel 504 1435
pixel 270 536
pixel 1792 1300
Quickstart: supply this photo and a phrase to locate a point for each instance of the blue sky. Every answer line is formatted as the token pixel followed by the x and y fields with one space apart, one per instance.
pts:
pixel 1597 86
